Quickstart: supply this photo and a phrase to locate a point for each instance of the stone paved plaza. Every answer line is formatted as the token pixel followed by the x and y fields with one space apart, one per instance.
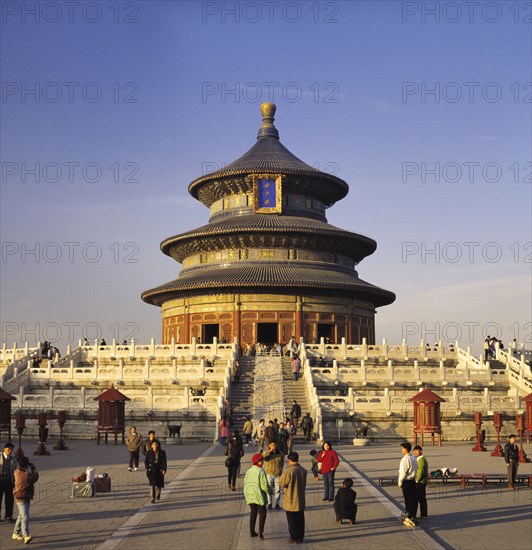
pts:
pixel 198 511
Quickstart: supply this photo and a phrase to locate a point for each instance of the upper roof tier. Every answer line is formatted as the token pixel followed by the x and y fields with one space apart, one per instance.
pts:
pixel 268 155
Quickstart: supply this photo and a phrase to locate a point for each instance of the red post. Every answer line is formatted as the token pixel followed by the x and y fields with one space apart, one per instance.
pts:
pixel 520 425
pixel 497 422
pixel 478 424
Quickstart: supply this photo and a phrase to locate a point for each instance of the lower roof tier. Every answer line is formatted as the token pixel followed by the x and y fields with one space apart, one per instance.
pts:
pixel 267 278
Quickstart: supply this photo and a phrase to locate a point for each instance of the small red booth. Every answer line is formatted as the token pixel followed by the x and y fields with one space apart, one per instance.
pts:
pixel 5 412
pixel 111 414
pixel 528 402
pixel 427 417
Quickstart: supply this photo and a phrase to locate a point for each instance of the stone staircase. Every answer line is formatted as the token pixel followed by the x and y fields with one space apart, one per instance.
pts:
pixel 241 394
pixel 294 390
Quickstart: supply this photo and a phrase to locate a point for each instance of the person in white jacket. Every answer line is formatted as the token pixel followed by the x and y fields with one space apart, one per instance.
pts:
pixel 407 482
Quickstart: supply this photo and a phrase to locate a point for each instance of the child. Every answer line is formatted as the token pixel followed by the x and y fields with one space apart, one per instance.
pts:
pixel 344 502
pixel 315 468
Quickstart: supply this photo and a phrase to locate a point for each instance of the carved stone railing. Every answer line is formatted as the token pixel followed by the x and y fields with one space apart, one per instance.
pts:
pixel 268 399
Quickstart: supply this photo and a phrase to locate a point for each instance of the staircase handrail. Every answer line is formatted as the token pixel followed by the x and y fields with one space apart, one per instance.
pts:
pixel 312 394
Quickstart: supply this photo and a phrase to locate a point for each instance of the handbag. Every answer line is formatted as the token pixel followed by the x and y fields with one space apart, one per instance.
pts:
pixel 228 462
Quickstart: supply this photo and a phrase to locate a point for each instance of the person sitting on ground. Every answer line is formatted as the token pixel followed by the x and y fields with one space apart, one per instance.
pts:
pixel 344 502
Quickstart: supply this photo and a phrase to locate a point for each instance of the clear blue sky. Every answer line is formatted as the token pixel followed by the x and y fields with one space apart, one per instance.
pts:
pixel 131 100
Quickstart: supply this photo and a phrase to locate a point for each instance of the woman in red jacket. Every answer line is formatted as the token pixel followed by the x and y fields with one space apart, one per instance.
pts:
pixel 329 462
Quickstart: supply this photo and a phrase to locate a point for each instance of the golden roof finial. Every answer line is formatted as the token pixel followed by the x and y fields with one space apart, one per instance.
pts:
pixel 268 113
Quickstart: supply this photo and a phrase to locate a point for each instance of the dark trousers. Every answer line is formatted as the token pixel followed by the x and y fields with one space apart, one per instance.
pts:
pixel 421 490
pixel 342 515
pixel 296 525
pixel 512 472
pixel 155 492
pixel 134 458
pixel 6 491
pixel 257 509
pixel 410 496
pixel 232 471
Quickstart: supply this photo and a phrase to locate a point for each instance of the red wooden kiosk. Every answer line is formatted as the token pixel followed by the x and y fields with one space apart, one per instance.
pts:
pixel 528 402
pixel 111 414
pixel 5 412
pixel 427 417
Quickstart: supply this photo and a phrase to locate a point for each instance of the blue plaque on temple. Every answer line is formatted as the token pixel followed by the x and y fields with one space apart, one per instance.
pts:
pixel 267 193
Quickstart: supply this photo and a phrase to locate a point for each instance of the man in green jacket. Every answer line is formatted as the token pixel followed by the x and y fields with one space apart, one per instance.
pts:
pixel 273 466
pixel 294 482
pixel 256 492
pixel 422 477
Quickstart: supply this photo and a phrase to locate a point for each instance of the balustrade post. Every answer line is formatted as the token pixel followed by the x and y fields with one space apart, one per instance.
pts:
pixel 442 371
pixel 390 370
pixel 487 399
pixel 147 369
pixel 113 348
pixel 385 348
pixel 416 369
pixel 152 346
pixel 404 348
pixel 121 368
pixel 26 348
pixel 51 397
pixel 364 348
pixel 423 349
pixel 71 369
pixel 387 399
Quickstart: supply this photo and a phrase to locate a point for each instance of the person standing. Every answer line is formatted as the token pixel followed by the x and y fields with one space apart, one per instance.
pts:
pixel 273 466
pixel 269 433
pixel 248 430
pixel 422 478
pixel 295 414
pixel 224 431
pixel 329 462
pixel 234 451
pixel 258 434
pixel 155 464
pixel 511 457
pixel 8 465
pixel 289 435
pixel 407 481
pixel 294 483
pixel 307 424
pixel 255 490
pixel 26 476
pixel 134 442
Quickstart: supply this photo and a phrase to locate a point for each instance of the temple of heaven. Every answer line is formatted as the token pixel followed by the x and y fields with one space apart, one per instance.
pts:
pixel 268 266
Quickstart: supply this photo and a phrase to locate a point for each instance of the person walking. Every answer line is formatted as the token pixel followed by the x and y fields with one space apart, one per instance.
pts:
pixel 329 462
pixel 422 478
pixel 256 490
pixel 224 431
pixel 147 443
pixel 234 451
pixel 407 481
pixel 248 430
pixel 273 466
pixel 258 434
pixel 155 463
pixel 293 481
pixel 295 367
pixel 8 465
pixel 295 414
pixel 511 457
pixel 134 442
pixel 289 435
pixel 307 424
pixel 26 476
